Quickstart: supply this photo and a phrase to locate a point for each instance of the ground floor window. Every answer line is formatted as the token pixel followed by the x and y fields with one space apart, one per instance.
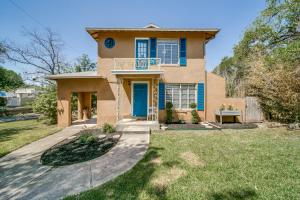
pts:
pixel 181 95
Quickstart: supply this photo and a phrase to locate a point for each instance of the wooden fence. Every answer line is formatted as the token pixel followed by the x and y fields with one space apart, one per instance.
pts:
pixel 253 111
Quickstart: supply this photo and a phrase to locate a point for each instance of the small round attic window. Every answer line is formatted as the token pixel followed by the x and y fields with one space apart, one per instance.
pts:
pixel 109 43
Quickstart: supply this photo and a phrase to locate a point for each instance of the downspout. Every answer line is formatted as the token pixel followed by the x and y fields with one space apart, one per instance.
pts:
pixel 205 83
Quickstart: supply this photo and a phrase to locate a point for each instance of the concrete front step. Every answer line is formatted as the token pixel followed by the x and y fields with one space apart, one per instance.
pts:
pixel 136 129
pixel 137 126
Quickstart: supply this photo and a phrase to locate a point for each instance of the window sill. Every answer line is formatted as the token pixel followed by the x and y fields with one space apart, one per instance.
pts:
pixel 170 65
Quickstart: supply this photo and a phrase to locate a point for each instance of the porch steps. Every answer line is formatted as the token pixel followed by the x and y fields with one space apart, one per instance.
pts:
pixel 137 126
pixel 206 125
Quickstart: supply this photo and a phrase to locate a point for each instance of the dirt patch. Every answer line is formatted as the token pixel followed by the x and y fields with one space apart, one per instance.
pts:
pixel 156 161
pixel 192 159
pixel 168 177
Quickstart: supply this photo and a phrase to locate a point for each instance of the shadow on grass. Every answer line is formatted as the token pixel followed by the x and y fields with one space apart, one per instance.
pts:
pixel 7 134
pixel 131 184
pixel 238 194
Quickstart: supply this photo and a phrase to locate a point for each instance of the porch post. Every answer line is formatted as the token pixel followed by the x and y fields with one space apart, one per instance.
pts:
pixel 119 82
pixel 80 106
pixel 157 100
pixel 64 118
pixel 152 105
pixel 87 104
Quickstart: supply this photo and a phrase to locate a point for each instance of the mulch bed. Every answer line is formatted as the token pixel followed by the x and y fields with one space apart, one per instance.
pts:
pixel 201 127
pixel 236 125
pixel 185 127
pixel 86 145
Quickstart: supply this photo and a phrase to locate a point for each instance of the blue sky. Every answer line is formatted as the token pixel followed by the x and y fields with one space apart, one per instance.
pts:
pixel 69 18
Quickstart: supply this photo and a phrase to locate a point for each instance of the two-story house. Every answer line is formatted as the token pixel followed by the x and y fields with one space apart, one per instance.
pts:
pixel 139 70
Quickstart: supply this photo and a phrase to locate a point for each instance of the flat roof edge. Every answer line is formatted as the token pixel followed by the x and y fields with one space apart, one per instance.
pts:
pixel 155 29
pixel 136 72
pixel 54 77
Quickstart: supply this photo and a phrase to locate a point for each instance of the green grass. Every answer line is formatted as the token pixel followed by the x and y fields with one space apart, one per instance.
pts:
pixel 235 164
pixel 14 135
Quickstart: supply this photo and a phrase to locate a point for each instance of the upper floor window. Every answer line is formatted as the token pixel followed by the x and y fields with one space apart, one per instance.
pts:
pixel 168 51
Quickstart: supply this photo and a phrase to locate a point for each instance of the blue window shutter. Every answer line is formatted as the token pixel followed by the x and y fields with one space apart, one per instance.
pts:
pixel 200 97
pixel 152 50
pixel 161 96
pixel 182 58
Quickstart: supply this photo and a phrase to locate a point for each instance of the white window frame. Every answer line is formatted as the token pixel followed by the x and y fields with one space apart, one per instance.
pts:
pixel 148 49
pixel 178 56
pixel 188 94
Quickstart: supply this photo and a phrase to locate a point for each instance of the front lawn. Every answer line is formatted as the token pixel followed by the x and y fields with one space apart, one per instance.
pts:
pixel 14 135
pixel 228 164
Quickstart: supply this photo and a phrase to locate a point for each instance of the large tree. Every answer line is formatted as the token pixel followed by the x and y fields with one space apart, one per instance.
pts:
pixel 266 62
pixel 9 80
pixel 2 51
pixel 43 52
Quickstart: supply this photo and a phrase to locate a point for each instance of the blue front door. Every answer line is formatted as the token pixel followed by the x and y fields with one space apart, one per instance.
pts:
pixel 141 54
pixel 140 99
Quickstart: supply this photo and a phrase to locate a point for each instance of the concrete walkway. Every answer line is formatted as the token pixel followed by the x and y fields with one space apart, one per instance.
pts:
pixel 23 177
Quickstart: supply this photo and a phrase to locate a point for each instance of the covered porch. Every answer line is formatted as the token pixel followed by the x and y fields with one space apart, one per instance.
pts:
pixel 82 85
pixel 137 98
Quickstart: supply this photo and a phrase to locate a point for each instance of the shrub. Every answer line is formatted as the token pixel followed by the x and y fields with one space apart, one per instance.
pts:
pixel 169 107
pixel 46 104
pixel 108 128
pixel 195 116
pixel 87 138
pixel 193 105
pixel 91 139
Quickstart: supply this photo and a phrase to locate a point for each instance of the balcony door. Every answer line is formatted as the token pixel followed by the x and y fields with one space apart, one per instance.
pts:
pixel 141 54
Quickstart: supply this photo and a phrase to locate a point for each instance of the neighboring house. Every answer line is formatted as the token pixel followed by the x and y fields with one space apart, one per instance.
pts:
pixel 139 70
pixel 26 92
pixel 20 97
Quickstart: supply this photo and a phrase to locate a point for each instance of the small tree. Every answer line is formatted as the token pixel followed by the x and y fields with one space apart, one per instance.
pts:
pixel 84 63
pixel 45 104
pixel 169 107
pixel 195 116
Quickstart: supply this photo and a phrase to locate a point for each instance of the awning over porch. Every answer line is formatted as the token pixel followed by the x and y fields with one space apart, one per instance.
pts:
pixel 137 72
pixel 77 75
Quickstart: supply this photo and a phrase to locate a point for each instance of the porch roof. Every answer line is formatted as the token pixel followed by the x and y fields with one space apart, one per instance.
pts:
pixel 137 72
pixel 74 75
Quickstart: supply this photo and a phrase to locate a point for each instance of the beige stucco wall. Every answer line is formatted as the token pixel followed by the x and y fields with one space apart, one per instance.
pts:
pixel 105 98
pixel 125 48
pixel 194 72
pixel 215 97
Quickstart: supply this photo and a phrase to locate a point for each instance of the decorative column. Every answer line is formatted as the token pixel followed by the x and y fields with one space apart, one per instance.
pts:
pixel 155 98
pixel 119 84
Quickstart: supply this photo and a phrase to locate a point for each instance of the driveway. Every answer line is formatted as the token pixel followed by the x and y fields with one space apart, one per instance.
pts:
pixel 23 177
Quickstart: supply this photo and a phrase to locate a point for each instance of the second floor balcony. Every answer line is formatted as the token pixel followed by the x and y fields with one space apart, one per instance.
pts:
pixel 137 66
